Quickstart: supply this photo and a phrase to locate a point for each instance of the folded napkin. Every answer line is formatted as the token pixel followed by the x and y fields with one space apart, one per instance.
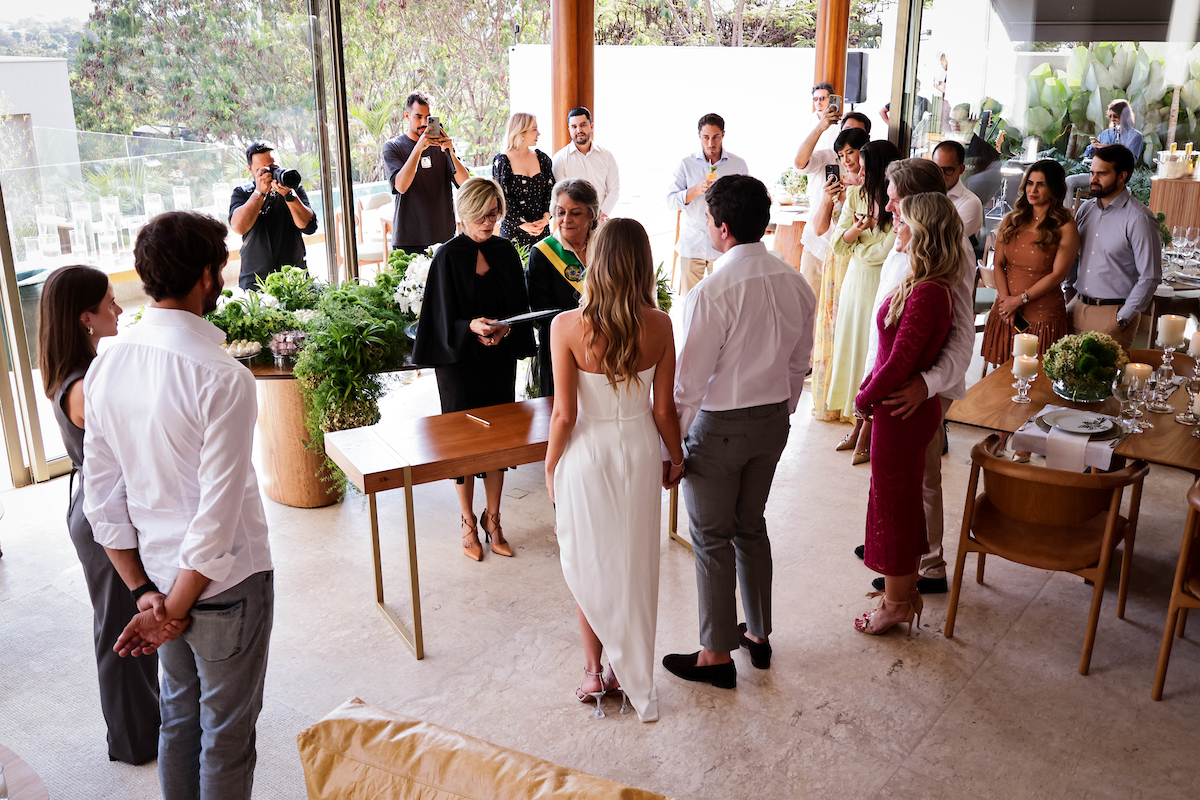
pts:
pixel 1063 450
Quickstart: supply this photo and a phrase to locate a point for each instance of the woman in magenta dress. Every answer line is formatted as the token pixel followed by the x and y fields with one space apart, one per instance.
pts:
pixel 912 328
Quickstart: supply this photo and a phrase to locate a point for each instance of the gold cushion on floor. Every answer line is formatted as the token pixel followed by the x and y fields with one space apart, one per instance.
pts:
pixel 359 751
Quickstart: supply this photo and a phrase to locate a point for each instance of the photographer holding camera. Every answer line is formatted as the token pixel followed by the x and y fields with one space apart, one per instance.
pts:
pixel 271 213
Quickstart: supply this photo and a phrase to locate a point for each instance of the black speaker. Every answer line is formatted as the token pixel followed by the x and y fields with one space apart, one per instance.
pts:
pixel 856 77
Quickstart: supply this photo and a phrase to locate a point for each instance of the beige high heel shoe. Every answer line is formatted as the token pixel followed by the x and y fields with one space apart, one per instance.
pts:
pixel 496 534
pixel 863 623
pixel 850 439
pixel 472 549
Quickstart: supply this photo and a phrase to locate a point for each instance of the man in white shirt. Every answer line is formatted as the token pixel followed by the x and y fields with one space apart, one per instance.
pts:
pixel 812 160
pixel 951 157
pixel 820 104
pixel 948 376
pixel 583 158
pixel 747 337
pixel 691 179
pixel 173 498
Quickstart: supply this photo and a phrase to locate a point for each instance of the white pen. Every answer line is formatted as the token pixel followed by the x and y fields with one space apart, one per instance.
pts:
pixel 477 419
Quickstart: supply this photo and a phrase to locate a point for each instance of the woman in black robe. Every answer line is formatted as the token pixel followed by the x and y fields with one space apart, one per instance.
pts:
pixel 475 279
pixel 557 263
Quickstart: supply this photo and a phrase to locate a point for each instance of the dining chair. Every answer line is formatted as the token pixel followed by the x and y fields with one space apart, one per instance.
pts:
pixel 1185 593
pixel 370 251
pixel 985 298
pixel 1048 519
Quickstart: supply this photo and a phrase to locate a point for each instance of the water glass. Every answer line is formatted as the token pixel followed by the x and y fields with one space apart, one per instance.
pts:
pixel 107 243
pixel 79 243
pixel 33 250
pixel 183 198
pixel 152 204
pixel 1192 237
pixel 110 210
pixel 50 244
pixel 221 195
pixel 47 222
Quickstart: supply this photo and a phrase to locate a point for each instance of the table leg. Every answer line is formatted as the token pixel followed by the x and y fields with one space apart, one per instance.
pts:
pixel 673 519
pixel 414 640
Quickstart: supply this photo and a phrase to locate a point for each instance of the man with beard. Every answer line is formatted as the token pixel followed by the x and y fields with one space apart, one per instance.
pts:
pixel 1120 253
pixel 421 165
pixel 583 158
pixel 173 498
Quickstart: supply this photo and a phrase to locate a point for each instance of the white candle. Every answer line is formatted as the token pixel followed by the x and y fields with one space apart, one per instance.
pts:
pixel 1170 330
pixel 1025 366
pixel 1196 406
pixel 1194 349
pixel 1025 344
pixel 1139 371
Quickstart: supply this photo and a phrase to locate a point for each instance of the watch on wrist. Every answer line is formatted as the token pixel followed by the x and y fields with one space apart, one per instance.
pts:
pixel 148 586
pixel 1024 298
pixel 291 197
pixel 1122 323
pixel 257 192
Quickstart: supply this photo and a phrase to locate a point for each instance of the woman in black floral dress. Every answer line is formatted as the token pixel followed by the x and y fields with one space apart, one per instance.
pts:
pixel 526 175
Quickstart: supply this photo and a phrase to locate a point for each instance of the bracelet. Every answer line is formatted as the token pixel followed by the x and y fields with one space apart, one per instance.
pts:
pixel 1024 297
pixel 673 464
pixel 148 586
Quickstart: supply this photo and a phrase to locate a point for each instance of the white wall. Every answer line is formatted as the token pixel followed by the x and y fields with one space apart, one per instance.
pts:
pixel 40 88
pixel 648 100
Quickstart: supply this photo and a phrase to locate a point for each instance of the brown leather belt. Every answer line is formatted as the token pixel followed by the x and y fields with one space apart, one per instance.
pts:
pixel 1094 301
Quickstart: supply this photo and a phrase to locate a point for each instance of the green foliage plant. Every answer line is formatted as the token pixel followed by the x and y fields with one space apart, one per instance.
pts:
pixel 251 319
pixel 293 287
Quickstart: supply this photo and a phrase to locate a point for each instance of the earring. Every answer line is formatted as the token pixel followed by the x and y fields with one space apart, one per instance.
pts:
pixel 89 330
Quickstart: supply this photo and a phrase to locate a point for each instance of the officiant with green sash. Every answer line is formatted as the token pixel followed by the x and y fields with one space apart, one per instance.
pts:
pixel 558 262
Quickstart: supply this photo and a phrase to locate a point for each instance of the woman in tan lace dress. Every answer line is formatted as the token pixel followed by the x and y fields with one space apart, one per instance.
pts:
pixel 1035 246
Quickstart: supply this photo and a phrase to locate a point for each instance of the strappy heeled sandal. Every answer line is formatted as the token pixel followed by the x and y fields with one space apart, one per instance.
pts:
pixel 496 534
pixel 863 623
pixel 583 696
pixel 472 549
pixel 611 686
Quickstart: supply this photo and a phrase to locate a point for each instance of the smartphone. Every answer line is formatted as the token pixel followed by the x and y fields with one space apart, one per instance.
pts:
pixel 835 103
pixel 832 170
pixel 1020 324
pixel 435 127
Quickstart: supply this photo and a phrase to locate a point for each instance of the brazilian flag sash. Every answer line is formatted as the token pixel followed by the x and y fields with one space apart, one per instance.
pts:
pixel 563 260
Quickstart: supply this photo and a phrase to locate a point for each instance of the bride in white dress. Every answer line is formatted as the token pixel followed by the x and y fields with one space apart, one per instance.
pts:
pixel 614 375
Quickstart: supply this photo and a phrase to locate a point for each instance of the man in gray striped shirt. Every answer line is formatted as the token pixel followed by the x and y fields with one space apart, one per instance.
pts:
pixel 1120 253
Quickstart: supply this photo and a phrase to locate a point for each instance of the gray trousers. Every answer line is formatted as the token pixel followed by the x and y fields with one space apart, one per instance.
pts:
pixel 731 460
pixel 128 686
pixel 212 691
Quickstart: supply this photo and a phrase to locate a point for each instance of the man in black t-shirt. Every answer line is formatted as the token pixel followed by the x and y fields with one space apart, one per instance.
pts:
pixel 421 165
pixel 270 217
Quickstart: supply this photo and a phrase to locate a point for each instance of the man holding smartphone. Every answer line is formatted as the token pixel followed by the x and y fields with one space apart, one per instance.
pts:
pixel 421 165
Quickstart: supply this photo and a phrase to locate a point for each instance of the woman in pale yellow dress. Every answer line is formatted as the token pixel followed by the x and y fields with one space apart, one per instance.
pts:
pixel 823 216
pixel 865 236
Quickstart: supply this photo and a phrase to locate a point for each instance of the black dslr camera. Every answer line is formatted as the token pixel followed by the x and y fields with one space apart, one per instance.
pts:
pixel 285 177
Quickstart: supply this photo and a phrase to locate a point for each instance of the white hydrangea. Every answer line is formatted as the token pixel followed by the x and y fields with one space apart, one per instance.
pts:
pixel 411 291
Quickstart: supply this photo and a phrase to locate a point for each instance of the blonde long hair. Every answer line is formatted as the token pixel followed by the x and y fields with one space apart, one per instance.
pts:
pixel 617 288
pixel 518 123
pixel 935 251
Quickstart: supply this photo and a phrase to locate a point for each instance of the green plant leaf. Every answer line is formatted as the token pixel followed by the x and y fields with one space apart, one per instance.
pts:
pixel 1076 67
pixel 1121 68
pixel 1054 94
pixel 1097 110
pixel 1189 95
pixel 1140 74
pixel 1090 82
pixel 1104 53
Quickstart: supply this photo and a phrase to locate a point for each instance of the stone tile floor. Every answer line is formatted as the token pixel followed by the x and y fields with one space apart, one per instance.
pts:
pixel 998 712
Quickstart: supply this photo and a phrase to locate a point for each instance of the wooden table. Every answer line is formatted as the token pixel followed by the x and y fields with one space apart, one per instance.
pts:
pixel 988 405
pixel 392 455
pixel 789 229
pixel 23 782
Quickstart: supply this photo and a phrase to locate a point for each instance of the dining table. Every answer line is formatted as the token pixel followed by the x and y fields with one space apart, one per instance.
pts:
pixel 989 405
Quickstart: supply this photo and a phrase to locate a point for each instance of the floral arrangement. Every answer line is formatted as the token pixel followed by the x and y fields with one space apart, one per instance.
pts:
pixel 1083 365
pixel 410 291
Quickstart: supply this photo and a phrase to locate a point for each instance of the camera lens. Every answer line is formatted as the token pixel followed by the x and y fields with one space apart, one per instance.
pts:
pixel 287 177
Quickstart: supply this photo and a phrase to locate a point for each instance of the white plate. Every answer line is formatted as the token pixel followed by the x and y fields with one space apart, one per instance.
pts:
pixel 1073 421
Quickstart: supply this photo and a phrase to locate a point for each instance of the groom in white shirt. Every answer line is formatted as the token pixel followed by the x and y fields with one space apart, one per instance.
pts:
pixel 747 338
pixel 174 500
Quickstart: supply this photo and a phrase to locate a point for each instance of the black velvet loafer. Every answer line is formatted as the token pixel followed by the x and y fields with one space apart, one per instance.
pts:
pixel 760 654
pixel 723 676
pixel 861 552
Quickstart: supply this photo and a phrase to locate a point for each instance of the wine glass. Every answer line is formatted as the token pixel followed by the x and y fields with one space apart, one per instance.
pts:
pixel 1143 393
pixel 1190 385
pixel 1192 237
pixel 1161 383
pixel 1121 391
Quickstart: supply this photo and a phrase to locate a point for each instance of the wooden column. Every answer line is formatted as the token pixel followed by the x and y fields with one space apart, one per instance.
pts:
pixel 833 28
pixel 572 39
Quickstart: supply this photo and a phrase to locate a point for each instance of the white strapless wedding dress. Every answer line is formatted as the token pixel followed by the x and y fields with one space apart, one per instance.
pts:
pixel 608 493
